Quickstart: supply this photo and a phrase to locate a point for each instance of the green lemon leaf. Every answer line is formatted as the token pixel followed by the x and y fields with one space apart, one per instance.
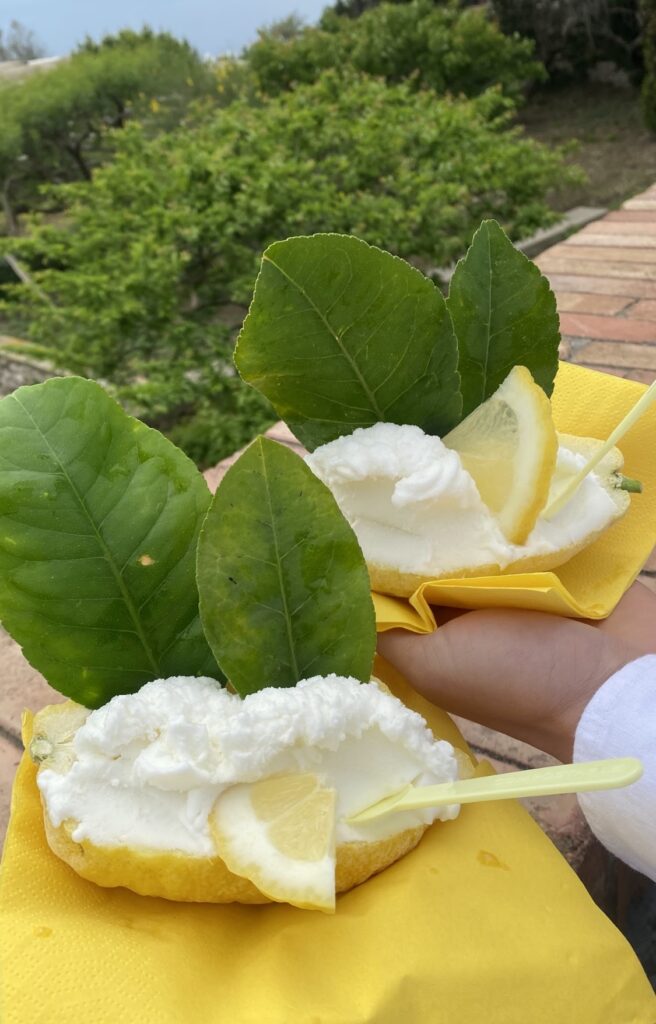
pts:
pixel 343 335
pixel 99 519
pixel 284 588
pixel 504 315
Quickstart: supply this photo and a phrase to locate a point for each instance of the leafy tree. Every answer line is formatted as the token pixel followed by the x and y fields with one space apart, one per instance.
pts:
pixel 159 240
pixel 353 8
pixel 440 47
pixel 285 28
pixel 54 126
pixel 648 12
pixel 571 36
pixel 280 63
pixel 19 43
pixel 127 39
pixel 446 49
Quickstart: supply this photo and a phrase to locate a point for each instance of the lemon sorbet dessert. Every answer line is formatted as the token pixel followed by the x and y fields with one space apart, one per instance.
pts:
pixel 470 504
pixel 187 791
pixel 222 725
pixel 428 418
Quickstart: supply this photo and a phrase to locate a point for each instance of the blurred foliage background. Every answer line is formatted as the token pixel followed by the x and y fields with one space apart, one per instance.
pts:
pixel 140 183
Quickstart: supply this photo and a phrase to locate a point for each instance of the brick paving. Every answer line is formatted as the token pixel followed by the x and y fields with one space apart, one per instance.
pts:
pixel 609 328
pixel 584 302
pixel 605 284
pixel 604 277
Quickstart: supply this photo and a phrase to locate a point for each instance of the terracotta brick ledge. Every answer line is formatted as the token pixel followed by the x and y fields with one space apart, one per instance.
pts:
pixel 604 277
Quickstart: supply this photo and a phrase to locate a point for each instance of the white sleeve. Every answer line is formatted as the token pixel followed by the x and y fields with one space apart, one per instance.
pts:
pixel 620 721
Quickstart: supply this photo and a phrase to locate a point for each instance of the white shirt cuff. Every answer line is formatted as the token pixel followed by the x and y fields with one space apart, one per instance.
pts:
pixel 620 721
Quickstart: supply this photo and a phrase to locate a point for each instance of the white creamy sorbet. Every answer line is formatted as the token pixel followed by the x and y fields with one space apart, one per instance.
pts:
pixel 414 508
pixel 151 764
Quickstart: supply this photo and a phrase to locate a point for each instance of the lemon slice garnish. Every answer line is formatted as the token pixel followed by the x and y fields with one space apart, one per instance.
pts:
pixel 280 834
pixel 509 446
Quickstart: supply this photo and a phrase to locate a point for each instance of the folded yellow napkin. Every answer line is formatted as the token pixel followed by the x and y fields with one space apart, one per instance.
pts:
pixel 589 586
pixel 483 922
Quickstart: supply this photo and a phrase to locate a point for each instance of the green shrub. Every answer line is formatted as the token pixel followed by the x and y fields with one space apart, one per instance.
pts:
pixel 173 228
pixel 234 80
pixel 280 63
pixel 442 48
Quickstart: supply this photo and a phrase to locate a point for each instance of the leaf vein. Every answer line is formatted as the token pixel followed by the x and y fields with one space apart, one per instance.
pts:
pixel 101 542
pixel 334 334
pixel 281 580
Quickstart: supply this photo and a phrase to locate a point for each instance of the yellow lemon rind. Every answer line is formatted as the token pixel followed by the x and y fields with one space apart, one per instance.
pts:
pixel 178 877
pixel 165 873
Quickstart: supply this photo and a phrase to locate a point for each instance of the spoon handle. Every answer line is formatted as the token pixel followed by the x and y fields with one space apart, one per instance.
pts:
pixel 620 430
pixel 562 778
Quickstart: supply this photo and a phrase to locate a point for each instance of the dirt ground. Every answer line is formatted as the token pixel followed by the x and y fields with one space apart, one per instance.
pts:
pixel 609 140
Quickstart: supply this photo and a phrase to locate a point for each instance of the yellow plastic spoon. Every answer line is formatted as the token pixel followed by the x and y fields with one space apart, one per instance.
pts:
pixel 634 414
pixel 562 778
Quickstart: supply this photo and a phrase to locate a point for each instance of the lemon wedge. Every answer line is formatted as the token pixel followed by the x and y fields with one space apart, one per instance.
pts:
pixel 280 834
pixel 509 446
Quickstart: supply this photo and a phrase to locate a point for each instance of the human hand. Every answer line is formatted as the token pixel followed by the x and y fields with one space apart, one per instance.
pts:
pixel 527 674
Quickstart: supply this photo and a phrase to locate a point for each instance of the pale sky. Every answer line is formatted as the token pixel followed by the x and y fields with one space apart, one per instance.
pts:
pixel 212 27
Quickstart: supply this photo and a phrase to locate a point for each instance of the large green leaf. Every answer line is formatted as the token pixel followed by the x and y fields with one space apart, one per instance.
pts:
pixel 99 520
pixel 342 335
pixel 284 589
pixel 504 315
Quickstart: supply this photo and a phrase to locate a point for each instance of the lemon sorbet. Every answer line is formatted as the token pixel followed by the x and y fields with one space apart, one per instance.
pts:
pixel 184 773
pixel 472 503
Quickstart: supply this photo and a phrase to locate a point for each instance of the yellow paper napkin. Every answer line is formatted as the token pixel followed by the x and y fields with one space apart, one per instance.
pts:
pixel 589 586
pixel 483 922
